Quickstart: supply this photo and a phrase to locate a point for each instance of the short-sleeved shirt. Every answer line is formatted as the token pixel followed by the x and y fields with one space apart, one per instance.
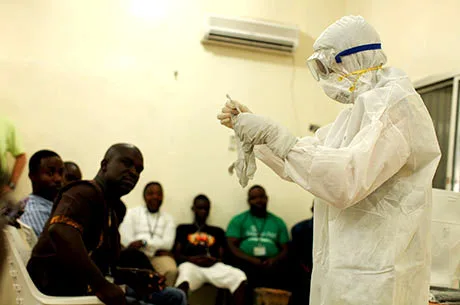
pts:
pixel 204 241
pixel 269 232
pixel 82 206
pixel 9 142
pixel 36 212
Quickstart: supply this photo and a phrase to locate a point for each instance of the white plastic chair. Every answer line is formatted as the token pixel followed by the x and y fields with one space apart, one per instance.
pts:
pixel 28 234
pixel 22 286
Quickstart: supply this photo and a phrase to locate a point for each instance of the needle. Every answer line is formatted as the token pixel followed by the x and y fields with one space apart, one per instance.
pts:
pixel 230 99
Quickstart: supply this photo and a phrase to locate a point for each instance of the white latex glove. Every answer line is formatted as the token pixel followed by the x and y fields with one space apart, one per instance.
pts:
pixel 252 129
pixel 230 109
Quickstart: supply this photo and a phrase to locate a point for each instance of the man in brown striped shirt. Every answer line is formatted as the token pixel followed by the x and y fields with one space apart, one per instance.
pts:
pixel 80 245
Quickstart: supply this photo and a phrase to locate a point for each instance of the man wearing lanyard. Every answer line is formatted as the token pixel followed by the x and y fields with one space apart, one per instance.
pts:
pixel 152 231
pixel 257 240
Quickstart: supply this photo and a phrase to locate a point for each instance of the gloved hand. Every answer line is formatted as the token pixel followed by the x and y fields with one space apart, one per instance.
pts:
pixel 230 109
pixel 111 294
pixel 254 129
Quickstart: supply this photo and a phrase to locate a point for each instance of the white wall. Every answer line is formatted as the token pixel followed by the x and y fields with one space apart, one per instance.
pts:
pixel 419 36
pixel 78 76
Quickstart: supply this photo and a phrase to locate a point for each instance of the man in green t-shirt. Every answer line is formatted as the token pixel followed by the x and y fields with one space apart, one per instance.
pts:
pixel 10 143
pixel 258 240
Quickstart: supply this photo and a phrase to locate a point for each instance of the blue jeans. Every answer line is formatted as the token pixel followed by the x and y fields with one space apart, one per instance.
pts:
pixel 169 296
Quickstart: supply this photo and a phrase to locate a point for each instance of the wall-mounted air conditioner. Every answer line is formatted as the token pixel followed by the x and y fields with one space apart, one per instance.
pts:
pixel 252 34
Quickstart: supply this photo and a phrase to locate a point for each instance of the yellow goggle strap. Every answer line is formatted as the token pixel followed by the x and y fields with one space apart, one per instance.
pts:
pixel 359 73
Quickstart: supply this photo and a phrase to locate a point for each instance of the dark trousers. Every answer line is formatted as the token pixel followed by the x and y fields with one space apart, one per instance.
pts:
pixel 276 276
pixel 301 281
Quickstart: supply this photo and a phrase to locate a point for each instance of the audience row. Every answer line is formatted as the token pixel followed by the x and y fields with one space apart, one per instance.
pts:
pixel 252 252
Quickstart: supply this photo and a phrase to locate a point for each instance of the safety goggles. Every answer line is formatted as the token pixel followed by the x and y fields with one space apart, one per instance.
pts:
pixel 320 65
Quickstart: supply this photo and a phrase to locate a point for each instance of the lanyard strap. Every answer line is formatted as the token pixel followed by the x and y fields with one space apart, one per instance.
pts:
pixel 199 228
pixel 152 232
pixel 259 233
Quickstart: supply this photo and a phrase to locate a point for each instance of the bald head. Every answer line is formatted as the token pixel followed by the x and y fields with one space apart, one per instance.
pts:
pixel 119 148
pixel 71 172
pixel 121 168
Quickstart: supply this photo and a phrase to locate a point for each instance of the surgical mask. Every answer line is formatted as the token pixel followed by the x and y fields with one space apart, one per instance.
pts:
pixel 337 89
pixel 344 88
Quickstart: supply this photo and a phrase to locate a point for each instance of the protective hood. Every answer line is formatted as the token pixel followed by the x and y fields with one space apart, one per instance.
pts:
pixel 352 51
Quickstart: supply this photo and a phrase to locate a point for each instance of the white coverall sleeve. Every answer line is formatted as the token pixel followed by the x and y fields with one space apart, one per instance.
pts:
pixel 266 155
pixel 127 229
pixel 345 176
pixel 165 241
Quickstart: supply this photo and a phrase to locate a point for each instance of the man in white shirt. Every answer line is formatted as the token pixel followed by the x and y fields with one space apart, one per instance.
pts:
pixel 153 232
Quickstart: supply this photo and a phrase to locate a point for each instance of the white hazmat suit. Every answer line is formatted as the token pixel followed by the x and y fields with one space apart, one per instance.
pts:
pixel 372 169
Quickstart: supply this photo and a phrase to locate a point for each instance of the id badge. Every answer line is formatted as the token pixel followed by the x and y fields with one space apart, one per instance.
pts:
pixel 260 251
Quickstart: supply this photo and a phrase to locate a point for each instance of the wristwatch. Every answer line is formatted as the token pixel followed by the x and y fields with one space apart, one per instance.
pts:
pixel 12 185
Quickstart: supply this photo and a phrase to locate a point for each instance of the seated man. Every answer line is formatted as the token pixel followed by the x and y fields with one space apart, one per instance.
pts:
pixel 80 245
pixel 45 173
pixel 199 249
pixel 152 231
pixel 301 254
pixel 258 242
pixel 71 172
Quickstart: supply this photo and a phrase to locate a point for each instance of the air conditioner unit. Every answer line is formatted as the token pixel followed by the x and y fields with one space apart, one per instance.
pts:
pixel 252 34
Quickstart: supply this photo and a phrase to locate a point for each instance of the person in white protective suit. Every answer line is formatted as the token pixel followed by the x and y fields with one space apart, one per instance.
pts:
pixel 372 169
